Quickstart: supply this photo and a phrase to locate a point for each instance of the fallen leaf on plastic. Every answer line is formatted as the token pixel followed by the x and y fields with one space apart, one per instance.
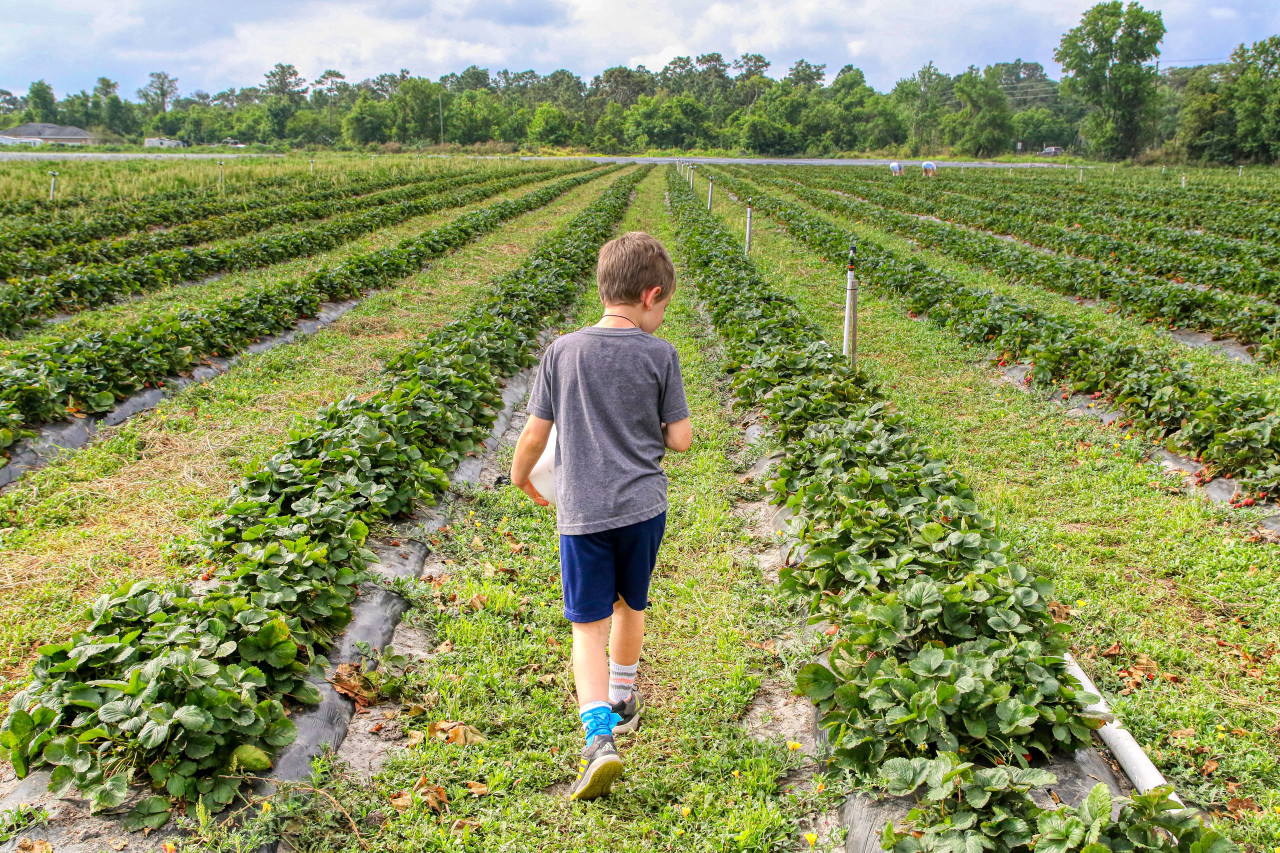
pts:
pixel 478 789
pixel 348 680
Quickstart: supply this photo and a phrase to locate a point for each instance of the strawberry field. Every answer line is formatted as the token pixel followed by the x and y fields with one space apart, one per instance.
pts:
pixel 1062 437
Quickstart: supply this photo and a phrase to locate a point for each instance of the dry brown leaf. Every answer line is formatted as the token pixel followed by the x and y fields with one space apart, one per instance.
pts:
pixel 766 646
pixel 401 800
pixel 1113 651
pixel 516 547
pixel 454 732
pixel 348 680
pixel 444 648
pixel 33 845
pixel 1236 805
pixel 1210 767
pixel 477 602
pixel 460 826
pixel 1181 733
pixel 1145 666
pixel 477 544
pixel 1060 612
pixel 416 737
pixel 478 789
pixel 116 843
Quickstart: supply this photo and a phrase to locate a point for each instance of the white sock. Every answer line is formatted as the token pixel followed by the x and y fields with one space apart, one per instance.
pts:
pixel 621 680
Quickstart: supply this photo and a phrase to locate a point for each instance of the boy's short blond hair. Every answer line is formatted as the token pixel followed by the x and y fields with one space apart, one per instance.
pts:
pixel 630 265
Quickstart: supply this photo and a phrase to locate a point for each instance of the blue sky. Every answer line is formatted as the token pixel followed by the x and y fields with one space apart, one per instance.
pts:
pixel 212 46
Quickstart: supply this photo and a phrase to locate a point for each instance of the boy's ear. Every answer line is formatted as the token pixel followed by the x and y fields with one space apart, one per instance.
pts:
pixel 650 297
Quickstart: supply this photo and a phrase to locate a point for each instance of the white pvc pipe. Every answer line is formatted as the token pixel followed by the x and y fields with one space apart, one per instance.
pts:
pixel 747 250
pixel 1132 758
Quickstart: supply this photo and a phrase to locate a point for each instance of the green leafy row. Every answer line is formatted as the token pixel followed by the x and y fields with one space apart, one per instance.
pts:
pixel 1141 262
pixel 946 653
pixel 1217 209
pixel 104 218
pixel 1149 297
pixel 1231 432
pixel 26 302
pixel 186 693
pixel 1099 218
pixel 93 372
pixel 319 204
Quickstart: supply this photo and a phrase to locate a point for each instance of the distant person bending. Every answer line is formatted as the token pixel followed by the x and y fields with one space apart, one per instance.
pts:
pixel 930 169
pixel 896 168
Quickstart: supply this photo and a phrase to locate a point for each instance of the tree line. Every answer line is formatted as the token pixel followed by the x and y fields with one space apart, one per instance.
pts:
pixel 1111 102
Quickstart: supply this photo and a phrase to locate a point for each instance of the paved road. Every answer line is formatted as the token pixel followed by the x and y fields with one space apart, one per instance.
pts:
pixel 119 155
pixel 772 161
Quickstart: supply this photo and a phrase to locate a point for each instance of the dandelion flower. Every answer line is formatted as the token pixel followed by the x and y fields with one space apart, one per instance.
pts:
pixel 811 838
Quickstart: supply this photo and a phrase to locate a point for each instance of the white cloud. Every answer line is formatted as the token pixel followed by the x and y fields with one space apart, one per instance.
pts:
pixel 72 42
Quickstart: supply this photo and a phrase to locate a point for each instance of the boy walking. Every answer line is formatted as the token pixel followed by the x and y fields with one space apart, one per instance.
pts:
pixel 615 394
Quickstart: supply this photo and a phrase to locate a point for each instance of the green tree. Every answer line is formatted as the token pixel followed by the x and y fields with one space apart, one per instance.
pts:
pixel 611 130
pixel 159 92
pixel 284 81
pixel 987 123
pixel 1107 57
pixel 923 97
pixel 416 105
pixel 550 126
pixel 1040 126
pixel 369 121
pixel 41 103
pixel 805 75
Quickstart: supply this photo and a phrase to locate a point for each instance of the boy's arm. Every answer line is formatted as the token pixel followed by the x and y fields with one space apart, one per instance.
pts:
pixel 678 436
pixel 533 440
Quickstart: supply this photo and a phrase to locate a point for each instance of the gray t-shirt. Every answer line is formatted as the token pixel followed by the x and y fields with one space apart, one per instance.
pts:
pixel 609 391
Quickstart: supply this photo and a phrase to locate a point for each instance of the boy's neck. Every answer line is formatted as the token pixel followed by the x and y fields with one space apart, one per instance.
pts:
pixel 621 317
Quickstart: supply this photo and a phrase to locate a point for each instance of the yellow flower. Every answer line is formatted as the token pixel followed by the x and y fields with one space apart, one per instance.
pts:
pixel 822 786
pixel 266 806
pixel 680 831
pixel 1079 602
pixel 793 745
pixel 811 838
pixel 737 773
pixel 169 847
pixel 684 812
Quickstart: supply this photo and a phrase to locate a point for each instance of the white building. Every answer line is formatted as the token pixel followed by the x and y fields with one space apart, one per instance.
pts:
pixel 162 142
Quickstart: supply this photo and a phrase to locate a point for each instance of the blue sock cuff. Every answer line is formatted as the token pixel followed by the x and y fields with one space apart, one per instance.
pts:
pixel 598 719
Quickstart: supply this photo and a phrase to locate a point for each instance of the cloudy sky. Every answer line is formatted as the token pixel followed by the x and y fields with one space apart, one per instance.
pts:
pixel 213 45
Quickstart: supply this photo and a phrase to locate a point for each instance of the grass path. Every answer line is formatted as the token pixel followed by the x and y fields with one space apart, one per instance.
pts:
pixel 696 779
pixel 127 506
pixel 1169 576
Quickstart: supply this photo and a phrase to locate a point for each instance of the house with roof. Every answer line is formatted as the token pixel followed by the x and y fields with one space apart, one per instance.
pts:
pixel 40 133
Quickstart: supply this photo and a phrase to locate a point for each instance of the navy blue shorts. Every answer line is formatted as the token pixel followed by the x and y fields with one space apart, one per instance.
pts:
pixel 596 569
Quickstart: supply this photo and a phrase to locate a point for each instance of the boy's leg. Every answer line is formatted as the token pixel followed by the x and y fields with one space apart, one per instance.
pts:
pixel 625 639
pixel 590 674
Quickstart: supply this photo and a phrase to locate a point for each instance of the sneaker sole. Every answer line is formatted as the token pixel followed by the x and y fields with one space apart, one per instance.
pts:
pixel 599 778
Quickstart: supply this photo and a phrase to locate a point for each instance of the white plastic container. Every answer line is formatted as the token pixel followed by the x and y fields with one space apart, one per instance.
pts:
pixel 543 475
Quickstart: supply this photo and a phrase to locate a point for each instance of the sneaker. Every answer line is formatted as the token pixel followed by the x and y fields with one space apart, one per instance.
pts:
pixel 599 768
pixel 629 711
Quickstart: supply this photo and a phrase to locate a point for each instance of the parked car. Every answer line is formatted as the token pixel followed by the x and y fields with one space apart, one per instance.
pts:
pixel 1052 151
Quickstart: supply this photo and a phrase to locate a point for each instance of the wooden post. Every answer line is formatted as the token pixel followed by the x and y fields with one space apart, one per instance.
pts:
pixel 851 308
